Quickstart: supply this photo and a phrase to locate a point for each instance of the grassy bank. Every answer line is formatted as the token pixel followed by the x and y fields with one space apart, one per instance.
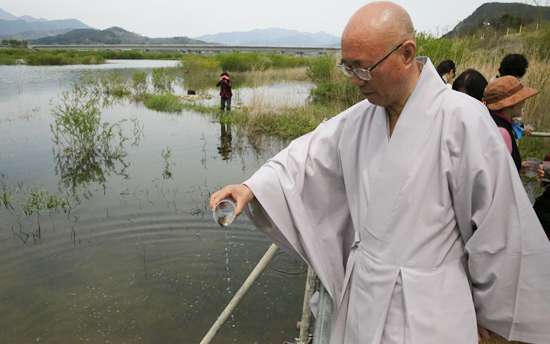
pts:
pixel 11 56
pixel 234 62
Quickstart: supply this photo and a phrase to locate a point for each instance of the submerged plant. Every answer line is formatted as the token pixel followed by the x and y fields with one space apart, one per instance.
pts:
pixel 162 80
pixel 78 128
pixel 88 148
pixel 139 82
pixel 114 85
pixel 166 155
pixel 40 201
pixel 138 131
pixel 6 200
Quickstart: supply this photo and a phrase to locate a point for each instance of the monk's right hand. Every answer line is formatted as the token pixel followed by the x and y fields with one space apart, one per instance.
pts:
pixel 482 333
pixel 239 192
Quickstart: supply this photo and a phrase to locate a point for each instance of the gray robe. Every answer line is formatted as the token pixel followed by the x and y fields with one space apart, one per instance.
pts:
pixel 416 237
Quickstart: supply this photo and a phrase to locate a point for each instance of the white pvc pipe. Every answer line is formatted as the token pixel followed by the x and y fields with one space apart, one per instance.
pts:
pixel 240 294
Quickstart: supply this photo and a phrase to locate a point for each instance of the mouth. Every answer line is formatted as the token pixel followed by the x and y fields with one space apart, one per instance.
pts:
pixel 366 93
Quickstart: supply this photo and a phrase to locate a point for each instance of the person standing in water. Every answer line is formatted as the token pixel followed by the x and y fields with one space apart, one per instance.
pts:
pixel 225 91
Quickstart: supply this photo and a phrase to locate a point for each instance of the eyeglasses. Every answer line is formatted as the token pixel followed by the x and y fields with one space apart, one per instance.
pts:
pixel 362 73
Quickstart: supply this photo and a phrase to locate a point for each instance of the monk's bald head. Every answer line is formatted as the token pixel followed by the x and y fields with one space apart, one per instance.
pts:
pixel 380 38
pixel 380 23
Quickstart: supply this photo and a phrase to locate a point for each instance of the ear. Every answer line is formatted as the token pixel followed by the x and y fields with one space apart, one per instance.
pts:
pixel 409 52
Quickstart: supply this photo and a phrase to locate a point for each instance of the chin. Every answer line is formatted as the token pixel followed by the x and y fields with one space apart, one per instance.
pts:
pixel 373 99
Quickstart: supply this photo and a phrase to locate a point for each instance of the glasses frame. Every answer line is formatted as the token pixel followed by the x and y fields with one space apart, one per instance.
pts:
pixel 364 73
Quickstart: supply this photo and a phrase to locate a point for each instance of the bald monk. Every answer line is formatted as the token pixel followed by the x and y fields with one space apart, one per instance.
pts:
pixel 407 205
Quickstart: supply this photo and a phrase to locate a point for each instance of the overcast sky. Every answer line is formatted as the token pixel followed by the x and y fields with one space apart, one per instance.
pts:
pixel 169 18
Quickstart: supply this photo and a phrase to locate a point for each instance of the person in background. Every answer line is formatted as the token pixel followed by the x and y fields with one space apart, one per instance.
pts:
pixel 225 91
pixel 447 71
pixel 515 65
pixel 504 97
pixel 542 203
pixel 471 82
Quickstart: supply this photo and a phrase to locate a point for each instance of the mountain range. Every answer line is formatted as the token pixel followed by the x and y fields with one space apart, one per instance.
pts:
pixel 72 31
pixel 27 27
pixel 273 37
pixel 113 35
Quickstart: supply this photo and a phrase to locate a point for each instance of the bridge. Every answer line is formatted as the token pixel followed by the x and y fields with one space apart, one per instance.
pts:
pixel 192 48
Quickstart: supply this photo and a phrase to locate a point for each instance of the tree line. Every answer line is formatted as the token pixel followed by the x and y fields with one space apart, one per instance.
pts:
pixel 15 43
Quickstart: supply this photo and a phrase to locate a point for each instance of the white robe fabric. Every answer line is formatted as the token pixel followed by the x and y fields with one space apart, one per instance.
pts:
pixel 416 237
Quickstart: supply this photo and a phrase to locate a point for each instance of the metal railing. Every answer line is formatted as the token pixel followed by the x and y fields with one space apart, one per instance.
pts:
pixel 321 334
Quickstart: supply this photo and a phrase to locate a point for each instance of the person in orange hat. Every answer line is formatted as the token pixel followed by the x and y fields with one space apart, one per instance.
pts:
pixel 504 97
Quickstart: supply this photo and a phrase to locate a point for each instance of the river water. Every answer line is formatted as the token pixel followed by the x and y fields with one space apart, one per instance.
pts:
pixel 138 257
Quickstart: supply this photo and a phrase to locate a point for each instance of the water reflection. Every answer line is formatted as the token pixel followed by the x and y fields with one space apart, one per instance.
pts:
pixel 78 173
pixel 225 148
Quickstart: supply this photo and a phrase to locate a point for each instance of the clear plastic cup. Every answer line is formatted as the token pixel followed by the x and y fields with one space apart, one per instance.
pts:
pixel 533 168
pixel 224 212
pixel 546 168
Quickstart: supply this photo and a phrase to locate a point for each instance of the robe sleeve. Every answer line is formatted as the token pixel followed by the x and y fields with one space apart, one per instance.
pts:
pixel 508 252
pixel 301 203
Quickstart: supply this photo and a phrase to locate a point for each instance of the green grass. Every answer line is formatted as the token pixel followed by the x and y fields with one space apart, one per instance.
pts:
pixel 61 58
pixel 240 62
pixel 165 102
pixel 286 123
pixel 534 147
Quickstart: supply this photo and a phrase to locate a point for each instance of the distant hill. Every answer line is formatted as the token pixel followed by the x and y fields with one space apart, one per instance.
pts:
pixel 7 16
pixel 113 35
pixel 489 12
pixel 273 37
pixel 35 34
pixel 27 27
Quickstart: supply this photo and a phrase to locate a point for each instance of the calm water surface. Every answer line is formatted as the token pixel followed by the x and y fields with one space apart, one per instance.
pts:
pixel 138 258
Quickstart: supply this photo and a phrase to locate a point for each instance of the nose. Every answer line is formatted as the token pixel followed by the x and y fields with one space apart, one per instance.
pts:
pixel 357 81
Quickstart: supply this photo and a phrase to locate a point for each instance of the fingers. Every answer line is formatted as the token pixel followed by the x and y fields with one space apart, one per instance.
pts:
pixel 244 196
pixel 218 196
pixel 240 193
pixel 483 333
pixel 240 207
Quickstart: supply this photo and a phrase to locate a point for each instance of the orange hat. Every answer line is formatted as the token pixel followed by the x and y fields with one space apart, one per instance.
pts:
pixel 506 91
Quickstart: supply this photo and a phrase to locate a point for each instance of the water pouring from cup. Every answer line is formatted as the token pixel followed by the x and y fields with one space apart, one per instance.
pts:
pixel 224 212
